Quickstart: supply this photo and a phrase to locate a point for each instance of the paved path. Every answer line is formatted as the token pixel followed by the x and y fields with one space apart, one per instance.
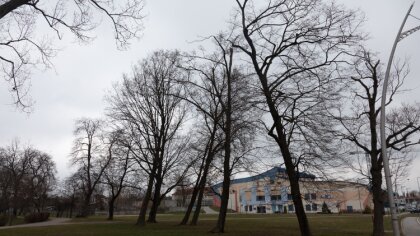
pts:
pixel 411 226
pixel 53 221
pixel 208 210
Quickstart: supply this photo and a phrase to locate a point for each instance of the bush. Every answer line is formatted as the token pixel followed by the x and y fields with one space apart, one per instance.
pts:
pixel 3 220
pixel 325 209
pixel 367 210
pixel 36 217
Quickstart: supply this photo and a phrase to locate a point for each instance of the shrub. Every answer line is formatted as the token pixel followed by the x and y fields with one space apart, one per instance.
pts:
pixel 3 220
pixel 37 217
pixel 325 209
pixel 367 210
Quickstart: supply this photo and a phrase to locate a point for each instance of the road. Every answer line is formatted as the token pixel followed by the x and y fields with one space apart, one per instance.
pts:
pixel 411 226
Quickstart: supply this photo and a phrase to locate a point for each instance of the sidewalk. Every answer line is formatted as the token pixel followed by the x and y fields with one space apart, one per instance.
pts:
pixel 53 221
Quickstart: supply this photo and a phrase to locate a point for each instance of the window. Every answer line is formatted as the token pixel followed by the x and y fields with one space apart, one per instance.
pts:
pixel 279 208
pixel 307 196
pixel 246 208
pixel 261 209
pixel 314 207
pixel 289 197
pixel 326 196
pixel 275 197
pixel 291 208
pixel 349 209
pixel 260 198
pixel 308 207
pixel 250 208
pixel 313 196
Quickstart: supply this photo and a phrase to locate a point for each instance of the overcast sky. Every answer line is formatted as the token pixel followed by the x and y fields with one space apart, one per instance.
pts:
pixel 83 73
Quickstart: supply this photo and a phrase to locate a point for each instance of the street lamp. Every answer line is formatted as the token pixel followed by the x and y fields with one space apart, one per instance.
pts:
pixel 418 184
pixel 400 36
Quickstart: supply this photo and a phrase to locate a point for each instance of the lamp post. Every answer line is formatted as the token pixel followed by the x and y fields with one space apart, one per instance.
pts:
pixel 418 184
pixel 401 35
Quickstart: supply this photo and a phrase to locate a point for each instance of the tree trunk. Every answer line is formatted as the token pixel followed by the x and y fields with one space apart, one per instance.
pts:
pixel 220 226
pixel 292 174
pixel 297 201
pixel 156 201
pixel 378 202
pixel 191 204
pixel 141 220
pixel 85 211
pixel 111 209
pixel 202 186
pixel 71 206
pixel 194 220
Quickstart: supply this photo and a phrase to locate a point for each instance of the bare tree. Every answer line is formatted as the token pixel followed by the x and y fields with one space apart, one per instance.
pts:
pixel 23 48
pixel 360 123
pixel 27 178
pixel 220 94
pixel 41 178
pixel 145 105
pixel 116 174
pixel 400 163
pixel 204 90
pixel 294 47
pixel 17 165
pixel 92 153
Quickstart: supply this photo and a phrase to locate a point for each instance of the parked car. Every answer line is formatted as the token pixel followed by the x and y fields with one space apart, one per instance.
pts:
pixel 415 210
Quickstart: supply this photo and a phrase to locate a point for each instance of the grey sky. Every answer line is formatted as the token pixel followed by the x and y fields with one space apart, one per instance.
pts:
pixel 76 86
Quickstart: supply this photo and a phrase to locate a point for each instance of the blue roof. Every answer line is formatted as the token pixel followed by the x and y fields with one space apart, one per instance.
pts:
pixel 272 173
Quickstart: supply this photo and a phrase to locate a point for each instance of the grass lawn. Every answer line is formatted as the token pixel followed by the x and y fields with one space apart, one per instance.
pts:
pixel 243 225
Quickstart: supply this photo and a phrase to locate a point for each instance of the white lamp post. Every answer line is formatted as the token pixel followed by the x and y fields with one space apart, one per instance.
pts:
pixel 401 35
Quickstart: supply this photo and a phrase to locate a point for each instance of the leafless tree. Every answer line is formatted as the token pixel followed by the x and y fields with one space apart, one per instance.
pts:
pixel 294 47
pixel 204 91
pixel 400 163
pixel 92 153
pixel 41 178
pixel 27 178
pixel 360 122
pixel 23 48
pixel 221 96
pixel 116 174
pixel 145 104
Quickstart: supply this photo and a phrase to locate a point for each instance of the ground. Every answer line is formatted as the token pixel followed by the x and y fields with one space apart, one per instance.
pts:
pixel 411 225
pixel 243 225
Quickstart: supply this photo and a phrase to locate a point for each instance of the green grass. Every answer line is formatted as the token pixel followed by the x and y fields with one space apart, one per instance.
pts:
pixel 243 225
pixel 215 208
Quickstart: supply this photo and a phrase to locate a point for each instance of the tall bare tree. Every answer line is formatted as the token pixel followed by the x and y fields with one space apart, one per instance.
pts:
pixel 41 178
pixel 293 47
pixel 220 93
pixel 147 106
pixel 92 153
pixel 360 122
pixel 23 48
pixel 117 173
pixel 204 90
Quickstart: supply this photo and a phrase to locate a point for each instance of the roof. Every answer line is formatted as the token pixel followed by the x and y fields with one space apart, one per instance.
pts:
pixel 272 173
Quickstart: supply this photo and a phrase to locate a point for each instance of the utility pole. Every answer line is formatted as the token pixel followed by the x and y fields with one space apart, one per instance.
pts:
pixel 401 35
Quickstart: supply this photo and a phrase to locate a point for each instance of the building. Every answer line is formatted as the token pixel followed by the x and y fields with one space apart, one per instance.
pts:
pixel 269 192
pixel 182 197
